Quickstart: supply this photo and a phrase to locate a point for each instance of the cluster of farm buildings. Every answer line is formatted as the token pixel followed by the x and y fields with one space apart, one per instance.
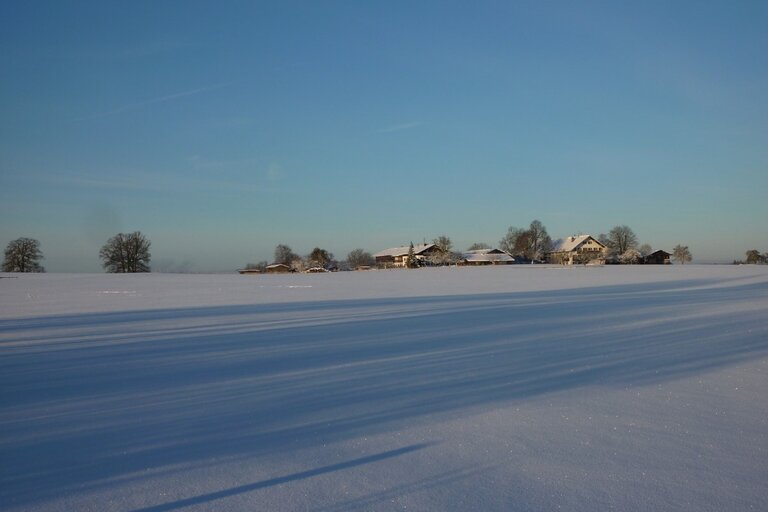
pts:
pixel 572 250
pixel 569 251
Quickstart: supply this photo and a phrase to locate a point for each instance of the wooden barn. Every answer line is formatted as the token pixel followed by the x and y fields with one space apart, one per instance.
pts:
pixel 658 258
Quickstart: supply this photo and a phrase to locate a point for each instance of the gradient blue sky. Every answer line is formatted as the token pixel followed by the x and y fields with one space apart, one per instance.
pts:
pixel 220 129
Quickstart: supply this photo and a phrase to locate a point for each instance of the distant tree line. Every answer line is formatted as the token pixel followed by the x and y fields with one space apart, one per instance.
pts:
pixel 317 258
pixel 129 252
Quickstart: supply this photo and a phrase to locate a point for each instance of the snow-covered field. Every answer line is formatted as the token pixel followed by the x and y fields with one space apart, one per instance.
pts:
pixel 519 388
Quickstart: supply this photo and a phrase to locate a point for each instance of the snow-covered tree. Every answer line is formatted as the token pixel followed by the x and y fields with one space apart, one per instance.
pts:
pixel 630 257
pixel 298 264
pixel 754 257
pixel 443 256
pixel 681 254
pixel 319 258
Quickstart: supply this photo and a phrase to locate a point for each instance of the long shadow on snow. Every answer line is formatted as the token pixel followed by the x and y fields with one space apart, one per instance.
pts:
pixel 270 381
pixel 225 493
pixel 110 318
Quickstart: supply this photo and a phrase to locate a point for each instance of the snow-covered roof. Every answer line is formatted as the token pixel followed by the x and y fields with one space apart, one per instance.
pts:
pixel 572 243
pixel 403 251
pixel 485 251
pixel 493 255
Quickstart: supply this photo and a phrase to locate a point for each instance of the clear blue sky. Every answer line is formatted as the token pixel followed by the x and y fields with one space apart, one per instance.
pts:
pixel 221 129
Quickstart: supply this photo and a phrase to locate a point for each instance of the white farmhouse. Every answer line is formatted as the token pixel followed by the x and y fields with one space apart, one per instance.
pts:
pixel 577 249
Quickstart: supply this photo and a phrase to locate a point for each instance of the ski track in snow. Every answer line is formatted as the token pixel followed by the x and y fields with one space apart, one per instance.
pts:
pixel 495 389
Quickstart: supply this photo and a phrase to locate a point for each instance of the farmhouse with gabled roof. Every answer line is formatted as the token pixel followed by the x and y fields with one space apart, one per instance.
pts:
pixel 398 256
pixel 576 249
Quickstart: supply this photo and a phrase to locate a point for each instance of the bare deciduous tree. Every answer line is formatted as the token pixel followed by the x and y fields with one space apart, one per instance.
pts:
pixel 359 258
pixel 620 239
pixel 509 243
pixel 284 255
pixel 478 246
pixel 443 243
pixel 126 252
pixel 539 241
pixel 532 243
pixel 23 255
pixel 681 254
pixel 444 256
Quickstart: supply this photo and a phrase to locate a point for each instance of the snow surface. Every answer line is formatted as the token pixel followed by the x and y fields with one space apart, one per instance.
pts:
pixel 510 388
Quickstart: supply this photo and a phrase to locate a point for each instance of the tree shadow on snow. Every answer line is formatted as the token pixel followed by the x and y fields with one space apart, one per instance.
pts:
pixel 225 493
pixel 91 400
